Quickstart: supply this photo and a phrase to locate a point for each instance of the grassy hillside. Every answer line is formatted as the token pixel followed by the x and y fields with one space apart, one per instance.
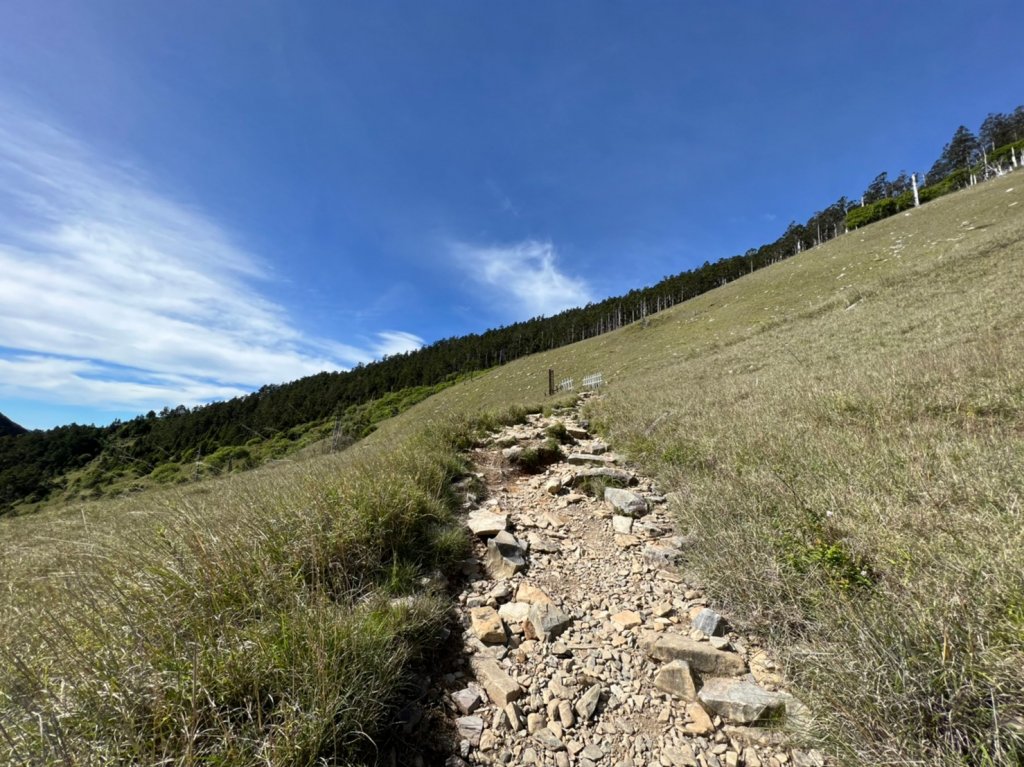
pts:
pixel 843 430
pixel 845 433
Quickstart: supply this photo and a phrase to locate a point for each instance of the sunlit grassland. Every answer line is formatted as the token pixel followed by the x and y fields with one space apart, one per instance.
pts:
pixel 844 436
pixel 844 433
pixel 250 620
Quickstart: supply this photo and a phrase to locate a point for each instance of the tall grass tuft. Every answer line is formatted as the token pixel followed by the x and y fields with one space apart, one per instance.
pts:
pixel 275 621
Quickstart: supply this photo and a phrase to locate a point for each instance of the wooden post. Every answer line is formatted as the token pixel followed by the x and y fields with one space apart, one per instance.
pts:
pixel 551 381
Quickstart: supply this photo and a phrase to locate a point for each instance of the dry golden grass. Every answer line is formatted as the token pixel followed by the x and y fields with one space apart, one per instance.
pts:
pixel 244 621
pixel 845 438
pixel 845 434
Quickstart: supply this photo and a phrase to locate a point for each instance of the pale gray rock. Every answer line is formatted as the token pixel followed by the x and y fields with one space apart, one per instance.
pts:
pixel 504 556
pixel 486 523
pixel 587 704
pixel 516 718
pixel 720 643
pixel 676 678
pixel 467 700
pixel 680 756
pixel 622 524
pixel 701 656
pixel 604 472
pixel 470 728
pixel 661 554
pixel 588 459
pixel 542 544
pixel 548 740
pixel 741 702
pixel 500 687
pixel 626 502
pixel 565 715
pixel 710 622
pixel 535 721
pixel 548 621
pixel 514 612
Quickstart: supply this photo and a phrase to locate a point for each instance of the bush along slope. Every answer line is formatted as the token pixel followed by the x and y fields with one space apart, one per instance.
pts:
pixel 276 622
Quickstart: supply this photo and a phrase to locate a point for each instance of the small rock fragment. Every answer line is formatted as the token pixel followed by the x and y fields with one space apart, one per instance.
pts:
pixel 486 624
pixel 470 728
pixel 587 704
pixel 676 678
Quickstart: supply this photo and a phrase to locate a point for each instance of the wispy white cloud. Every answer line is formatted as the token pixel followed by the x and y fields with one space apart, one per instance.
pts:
pixel 391 342
pixel 525 276
pixel 113 295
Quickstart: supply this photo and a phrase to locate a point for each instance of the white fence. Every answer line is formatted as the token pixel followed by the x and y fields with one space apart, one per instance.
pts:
pixel 566 384
pixel 593 381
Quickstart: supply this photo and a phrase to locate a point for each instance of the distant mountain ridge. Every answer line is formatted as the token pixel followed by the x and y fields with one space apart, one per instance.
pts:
pixel 9 428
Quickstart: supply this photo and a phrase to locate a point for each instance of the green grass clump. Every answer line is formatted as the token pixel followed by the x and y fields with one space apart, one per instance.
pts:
pixel 253 622
pixel 535 458
pixel 559 434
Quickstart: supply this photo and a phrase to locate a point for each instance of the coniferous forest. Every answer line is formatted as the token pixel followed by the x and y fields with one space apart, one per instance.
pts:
pixel 34 464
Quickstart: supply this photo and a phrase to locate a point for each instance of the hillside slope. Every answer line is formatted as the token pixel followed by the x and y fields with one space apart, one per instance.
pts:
pixel 845 434
pixel 9 428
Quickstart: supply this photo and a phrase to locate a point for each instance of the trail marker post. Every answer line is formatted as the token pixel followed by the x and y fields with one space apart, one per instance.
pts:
pixel 551 382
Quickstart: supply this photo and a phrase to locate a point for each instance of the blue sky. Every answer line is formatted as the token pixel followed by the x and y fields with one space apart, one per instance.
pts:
pixel 199 198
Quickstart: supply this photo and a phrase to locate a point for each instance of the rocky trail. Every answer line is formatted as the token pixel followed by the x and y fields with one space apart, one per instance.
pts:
pixel 582 643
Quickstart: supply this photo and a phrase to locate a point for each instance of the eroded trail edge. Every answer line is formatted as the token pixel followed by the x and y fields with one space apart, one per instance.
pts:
pixel 584 645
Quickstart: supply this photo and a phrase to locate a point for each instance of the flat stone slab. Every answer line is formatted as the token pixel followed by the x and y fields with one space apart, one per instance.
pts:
pixel 625 502
pixel 661 554
pixel 548 740
pixel 532 595
pixel 467 700
pixel 627 619
pixel 542 544
pixel 741 702
pixel 701 656
pixel 486 523
pixel 501 688
pixel 588 459
pixel 604 472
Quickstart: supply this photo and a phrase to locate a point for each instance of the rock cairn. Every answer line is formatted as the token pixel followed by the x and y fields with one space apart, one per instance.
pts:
pixel 584 644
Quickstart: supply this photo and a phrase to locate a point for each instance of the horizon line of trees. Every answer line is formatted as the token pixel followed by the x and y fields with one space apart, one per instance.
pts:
pixel 31 463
